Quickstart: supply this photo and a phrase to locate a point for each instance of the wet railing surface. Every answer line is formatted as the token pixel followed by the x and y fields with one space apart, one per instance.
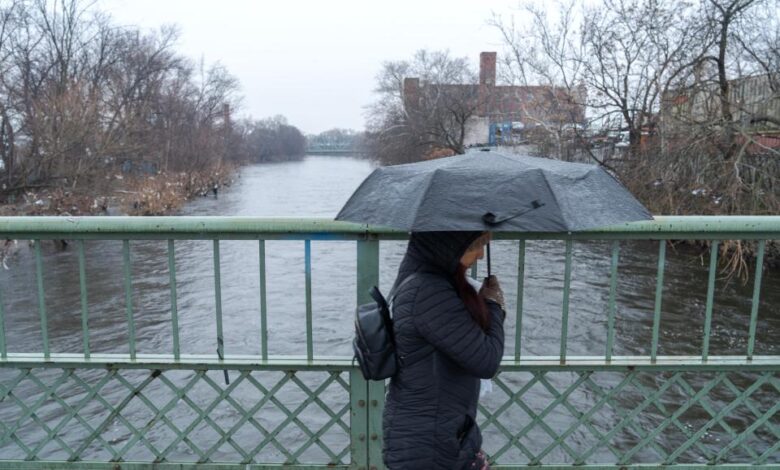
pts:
pixel 213 409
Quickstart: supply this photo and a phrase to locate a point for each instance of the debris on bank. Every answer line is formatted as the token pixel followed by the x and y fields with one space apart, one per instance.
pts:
pixel 165 194
pixel 159 194
pixel 144 195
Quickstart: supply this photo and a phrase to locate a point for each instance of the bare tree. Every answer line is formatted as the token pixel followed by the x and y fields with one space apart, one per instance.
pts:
pixel 423 104
pixel 7 142
pixel 686 72
pixel 740 43
pixel 274 139
pixel 545 53
pixel 80 95
pixel 615 56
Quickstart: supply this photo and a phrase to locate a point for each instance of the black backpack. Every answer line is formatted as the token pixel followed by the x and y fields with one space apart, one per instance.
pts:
pixel 374 342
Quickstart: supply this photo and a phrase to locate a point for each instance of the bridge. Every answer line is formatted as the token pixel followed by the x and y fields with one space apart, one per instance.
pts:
pixel 333 149
pixel 82 409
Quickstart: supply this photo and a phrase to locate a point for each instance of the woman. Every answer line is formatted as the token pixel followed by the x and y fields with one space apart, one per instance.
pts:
pixel 448 337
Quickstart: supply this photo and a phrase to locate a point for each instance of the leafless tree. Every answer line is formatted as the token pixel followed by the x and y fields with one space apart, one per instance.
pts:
pixel 274 139
pixel 81 96
pixel 7 142
pixel 615 57
pixel 543 53
pixel 740 44
pixel 694 84
pixel 423 105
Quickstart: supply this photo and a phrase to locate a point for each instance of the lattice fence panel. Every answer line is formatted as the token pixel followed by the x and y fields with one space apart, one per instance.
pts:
pixel 547 417
pixel 604 417
pixel 174 416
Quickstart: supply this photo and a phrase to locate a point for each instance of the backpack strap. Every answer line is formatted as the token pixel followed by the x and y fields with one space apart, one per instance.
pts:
pixel 394 291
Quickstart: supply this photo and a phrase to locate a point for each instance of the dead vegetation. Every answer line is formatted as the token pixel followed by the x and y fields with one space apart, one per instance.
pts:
pixel 160 194
pixel 167 192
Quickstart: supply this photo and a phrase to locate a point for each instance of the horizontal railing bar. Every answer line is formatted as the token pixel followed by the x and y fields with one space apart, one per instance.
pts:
pixel 56 465
pixel 254 228
pixel 299 362
pixel 661 363
pixel 166 362
pixel 393 236
pixel 637 467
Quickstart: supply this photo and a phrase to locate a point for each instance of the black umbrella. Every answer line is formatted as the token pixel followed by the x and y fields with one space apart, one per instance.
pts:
pixel 492 191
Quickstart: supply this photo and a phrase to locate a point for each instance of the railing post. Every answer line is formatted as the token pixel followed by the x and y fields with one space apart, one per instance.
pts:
pixel 358 420
pixel 368 276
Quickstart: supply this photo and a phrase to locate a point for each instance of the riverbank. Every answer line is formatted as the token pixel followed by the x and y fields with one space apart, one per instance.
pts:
pixel 162 193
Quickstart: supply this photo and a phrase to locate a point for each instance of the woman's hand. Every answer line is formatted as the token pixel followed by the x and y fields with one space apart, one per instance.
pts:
pixel 491 290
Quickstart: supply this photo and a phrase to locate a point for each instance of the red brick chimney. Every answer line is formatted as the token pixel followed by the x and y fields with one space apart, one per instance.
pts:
pixel 487 68
pixel 411 93
pixel 487 80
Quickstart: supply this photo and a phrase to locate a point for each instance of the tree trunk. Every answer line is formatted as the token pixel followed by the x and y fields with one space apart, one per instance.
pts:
pixel 727 144
pixel 7 146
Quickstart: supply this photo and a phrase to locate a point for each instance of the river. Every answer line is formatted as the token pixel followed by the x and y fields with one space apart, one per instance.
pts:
pixel 317 187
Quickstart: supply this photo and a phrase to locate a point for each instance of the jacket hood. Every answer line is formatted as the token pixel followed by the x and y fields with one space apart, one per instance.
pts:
pixel 440 250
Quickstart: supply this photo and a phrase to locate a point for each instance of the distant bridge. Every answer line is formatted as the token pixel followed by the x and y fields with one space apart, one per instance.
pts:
pixel 345 149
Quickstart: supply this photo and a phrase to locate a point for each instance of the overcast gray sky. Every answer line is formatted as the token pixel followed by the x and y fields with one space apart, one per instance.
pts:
pixel 315 61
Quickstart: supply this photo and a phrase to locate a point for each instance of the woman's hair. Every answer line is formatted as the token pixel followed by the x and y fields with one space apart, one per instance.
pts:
pixel 475 303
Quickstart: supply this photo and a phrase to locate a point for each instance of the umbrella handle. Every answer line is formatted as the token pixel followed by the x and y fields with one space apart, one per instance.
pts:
pixel 488 259
pixel 493 219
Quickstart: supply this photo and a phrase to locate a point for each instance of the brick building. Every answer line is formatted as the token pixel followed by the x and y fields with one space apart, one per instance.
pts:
pixel 501 109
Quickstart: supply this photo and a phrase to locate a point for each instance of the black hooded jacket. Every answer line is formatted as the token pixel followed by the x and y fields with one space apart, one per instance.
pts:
pixel 430 409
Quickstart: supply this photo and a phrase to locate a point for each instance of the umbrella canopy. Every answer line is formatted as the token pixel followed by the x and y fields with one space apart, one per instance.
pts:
pixel 492 191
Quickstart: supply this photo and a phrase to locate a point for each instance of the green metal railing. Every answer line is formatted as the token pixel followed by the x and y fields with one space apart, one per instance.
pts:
pixel 177 410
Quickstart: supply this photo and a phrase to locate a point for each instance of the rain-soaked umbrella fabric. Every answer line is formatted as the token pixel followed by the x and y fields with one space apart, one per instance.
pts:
pixel 492 191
